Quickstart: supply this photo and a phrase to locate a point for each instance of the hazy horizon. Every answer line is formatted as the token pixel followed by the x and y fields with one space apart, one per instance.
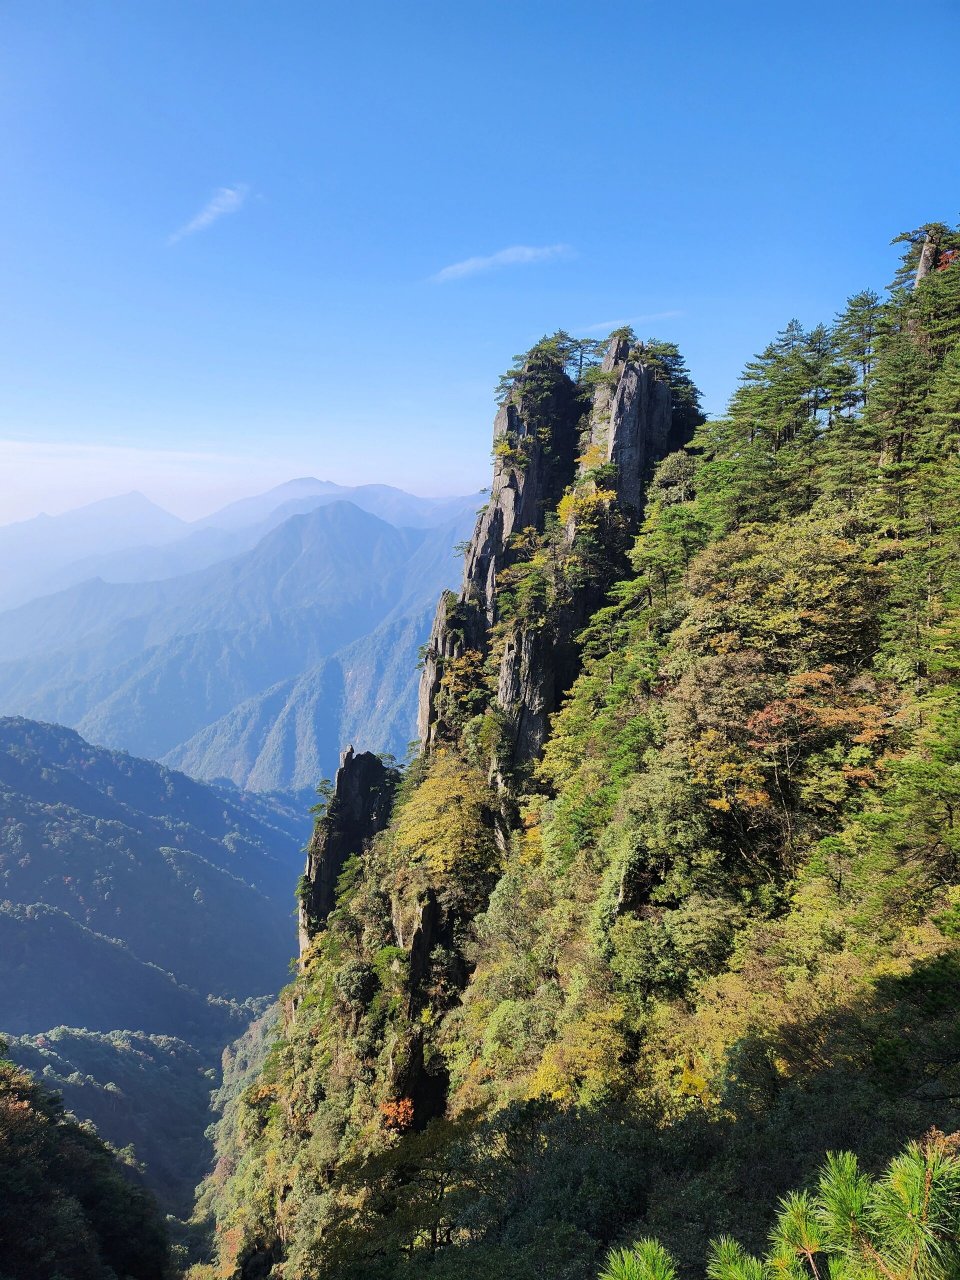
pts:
pixel 44 480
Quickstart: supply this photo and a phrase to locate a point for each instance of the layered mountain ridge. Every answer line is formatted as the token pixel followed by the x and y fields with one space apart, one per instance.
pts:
pixel 130 539
pixel 129 899
pixel 317 625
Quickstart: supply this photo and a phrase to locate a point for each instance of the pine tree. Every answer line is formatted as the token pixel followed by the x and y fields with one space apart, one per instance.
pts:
pixel 944 402
pixel 856 330
pixel 902 1226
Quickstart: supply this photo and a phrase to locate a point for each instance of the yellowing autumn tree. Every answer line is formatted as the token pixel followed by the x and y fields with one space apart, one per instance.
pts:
pixel 447 826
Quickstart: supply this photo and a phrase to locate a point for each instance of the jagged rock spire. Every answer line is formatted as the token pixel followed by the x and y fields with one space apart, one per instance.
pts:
pixel 537 444
pixel 632 422
pixel 928 253
pixel 358 810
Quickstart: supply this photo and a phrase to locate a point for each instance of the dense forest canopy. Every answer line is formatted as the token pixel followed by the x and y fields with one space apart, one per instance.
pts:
pixel 66 1210
pixel 128 897
pixel 637 987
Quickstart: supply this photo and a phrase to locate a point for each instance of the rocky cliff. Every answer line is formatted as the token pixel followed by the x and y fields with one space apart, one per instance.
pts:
pixel 653 967
pixel 631 420
pixel 597 444
pixel 358 809
pixel 571 460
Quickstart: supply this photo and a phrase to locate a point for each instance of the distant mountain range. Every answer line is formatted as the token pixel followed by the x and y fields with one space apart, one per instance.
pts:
pixel 255 668
pixel 33 553
pixel 139 872
pixel 149 912
pixel 131 539
pixel 146 916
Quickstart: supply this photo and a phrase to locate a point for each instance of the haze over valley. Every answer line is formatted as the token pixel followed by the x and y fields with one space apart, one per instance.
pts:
pixel 248 646
pixel 146 915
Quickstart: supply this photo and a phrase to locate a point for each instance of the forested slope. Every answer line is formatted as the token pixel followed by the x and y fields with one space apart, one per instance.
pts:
pixel 669 906
pixel 145 919
pixel 123 855
pixel 66 1210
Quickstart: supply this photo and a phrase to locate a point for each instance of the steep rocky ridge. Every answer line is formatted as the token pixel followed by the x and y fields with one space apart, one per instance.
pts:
pixel 358 809
pixel 548 435
pixel 565 458
pixel 632 421
pixel 571 460
pixel 636 984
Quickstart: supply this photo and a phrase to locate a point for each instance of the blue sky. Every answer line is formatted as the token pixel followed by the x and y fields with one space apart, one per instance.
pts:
pixel 231 231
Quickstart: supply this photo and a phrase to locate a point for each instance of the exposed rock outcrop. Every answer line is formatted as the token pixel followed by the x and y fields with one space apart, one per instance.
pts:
pixel 358 810
pixel 535 446
pixel 632 423
pixel 929 253
pixel 549 434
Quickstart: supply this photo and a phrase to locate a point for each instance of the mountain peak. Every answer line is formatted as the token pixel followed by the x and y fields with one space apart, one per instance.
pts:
pixel 132 500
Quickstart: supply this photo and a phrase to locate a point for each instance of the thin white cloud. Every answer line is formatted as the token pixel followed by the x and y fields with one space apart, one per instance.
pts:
pixel 608 326
pixel 223 201
pixel 516 256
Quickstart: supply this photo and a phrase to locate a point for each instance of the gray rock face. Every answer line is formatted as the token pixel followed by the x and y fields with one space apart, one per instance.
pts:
pixel 527 690
pixel 535 449
pixel 537 443
pixel 442 645
pixel 631 422
pixel 640 431
pixel 517 498
pixel 359 809
pixel 616 354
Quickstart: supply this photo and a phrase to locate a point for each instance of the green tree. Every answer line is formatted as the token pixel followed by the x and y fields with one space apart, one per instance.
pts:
pixel 447 827
pixel 903 1226
pixel 857 329
pixel 647 1260
pixel 66 1210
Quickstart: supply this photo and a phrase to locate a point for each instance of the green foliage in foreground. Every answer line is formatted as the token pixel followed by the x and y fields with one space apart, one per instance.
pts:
pixel 904 1225
pixel 66 1210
